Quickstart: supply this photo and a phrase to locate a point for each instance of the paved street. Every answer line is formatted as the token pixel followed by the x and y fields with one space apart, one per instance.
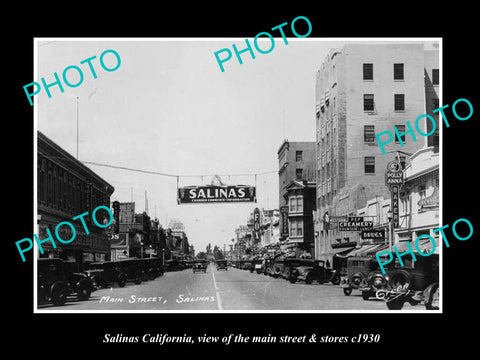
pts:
pixel 234 289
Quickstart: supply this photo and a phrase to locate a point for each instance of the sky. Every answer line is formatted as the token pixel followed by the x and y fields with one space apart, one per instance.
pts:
pixel 168 108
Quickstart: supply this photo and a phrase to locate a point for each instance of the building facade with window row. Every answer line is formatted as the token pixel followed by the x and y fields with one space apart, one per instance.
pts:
pixel 362 90
pixel 67 188
pixel 296 161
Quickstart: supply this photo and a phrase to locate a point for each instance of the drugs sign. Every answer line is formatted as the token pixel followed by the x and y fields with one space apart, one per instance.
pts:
pixel 374 234
pixel 216 194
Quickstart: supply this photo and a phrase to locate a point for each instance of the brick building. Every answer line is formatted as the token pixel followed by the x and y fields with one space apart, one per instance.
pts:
pixel 296 161
pixel 67 188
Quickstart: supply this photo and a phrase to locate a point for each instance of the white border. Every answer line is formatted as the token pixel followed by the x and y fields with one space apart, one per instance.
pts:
pixel 386 311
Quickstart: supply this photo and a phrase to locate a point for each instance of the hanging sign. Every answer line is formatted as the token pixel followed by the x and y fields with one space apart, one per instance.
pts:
pixel 216 194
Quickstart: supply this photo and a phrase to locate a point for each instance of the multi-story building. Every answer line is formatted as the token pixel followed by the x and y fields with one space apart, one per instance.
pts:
pixel 296 161
pixel 67 188
pixel 362 90
pixel 301 201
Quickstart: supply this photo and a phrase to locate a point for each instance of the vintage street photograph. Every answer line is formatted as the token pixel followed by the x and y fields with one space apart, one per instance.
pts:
pixel 226 175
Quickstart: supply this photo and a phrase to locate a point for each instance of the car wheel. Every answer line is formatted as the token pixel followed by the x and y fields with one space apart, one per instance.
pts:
pixel 138 280
pixel 433 296
pixel 122 281
pixel 336 280
pixel 396 304
pixel 59 295
pixel 292 279
pixel 347 291
pixel 83 293
pixel 365 295
pixel 308 279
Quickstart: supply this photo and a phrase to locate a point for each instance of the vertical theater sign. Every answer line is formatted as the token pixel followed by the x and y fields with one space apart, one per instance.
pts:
pixel 394 181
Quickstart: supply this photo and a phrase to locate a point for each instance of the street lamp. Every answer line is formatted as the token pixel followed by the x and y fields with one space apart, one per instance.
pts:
pixel 390 237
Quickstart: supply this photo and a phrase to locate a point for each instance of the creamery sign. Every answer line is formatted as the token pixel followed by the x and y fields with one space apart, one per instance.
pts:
pixel 216 194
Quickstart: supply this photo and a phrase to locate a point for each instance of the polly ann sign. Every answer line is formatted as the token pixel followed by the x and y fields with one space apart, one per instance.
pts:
pixel 216 194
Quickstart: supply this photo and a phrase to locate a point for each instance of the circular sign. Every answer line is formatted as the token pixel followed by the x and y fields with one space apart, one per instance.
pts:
pixel 394 166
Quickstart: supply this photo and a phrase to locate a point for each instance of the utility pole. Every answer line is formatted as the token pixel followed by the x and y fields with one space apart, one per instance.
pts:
pixel 77 127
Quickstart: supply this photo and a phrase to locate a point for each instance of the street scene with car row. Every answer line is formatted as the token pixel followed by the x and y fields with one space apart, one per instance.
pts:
pixel 202 286
pixel 307 235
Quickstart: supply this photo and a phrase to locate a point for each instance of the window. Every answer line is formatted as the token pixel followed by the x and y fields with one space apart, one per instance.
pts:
pixel 369 133
pixel 368 103
pixel 367 71
pixel 399 102
pixel 296 203
pixel 403 161
pixel 369 164
pixel 293 227
pixel 298 155
pixel 422 192
pixel 299 174
pixel 400 130
pixel 436 104
pixel 435 77
pixel 293 204
pixel 398 72
pixel 296 227
pixel 300 203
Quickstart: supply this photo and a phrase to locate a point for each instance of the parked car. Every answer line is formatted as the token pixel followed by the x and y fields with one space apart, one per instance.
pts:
pixel 132 268
pixel 200 266
pixel 363 274
pixel 259 266
pixel 310 270
pixel 277 266
pixel 289 264
pixel 415 283
pixel 221 264
pixel 105 273
pixel 248 265
pixel 57 280
pixel 152 268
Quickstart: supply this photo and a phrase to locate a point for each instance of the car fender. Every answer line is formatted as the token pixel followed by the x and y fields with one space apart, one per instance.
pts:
pixel 429 289
pixel 59 285
pixel 402 276
pixel 85 282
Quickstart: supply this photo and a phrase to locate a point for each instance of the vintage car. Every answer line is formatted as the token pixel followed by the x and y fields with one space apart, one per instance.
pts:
pixel 248 265
pixel 57 280
pixel 221 264
pixel 200 266
pixel 132 268
pixel 276 266
pixel 105 273
pixel 364 274
pixel 259 265
pixel 289 264
pixel 152 268
pixel 416 282
pixel 310 270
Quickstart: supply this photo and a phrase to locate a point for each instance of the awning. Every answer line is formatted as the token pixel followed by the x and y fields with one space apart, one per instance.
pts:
pixel 366 250
pixel 424 245
pixel 430 201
